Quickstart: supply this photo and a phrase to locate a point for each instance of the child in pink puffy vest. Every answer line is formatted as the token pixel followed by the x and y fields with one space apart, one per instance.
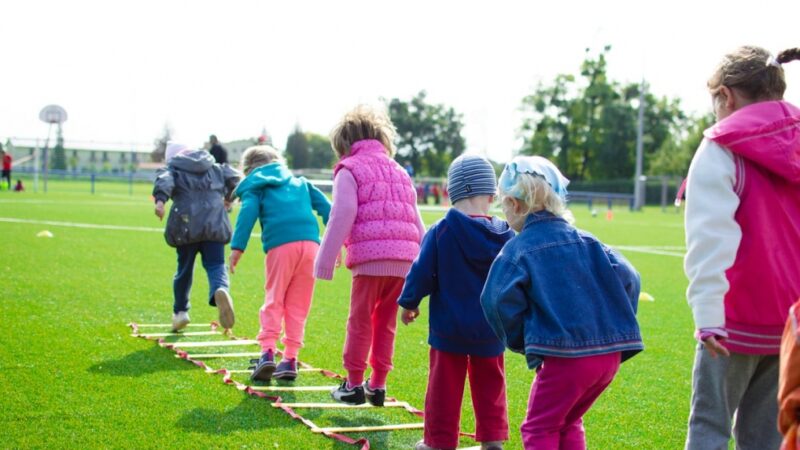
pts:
pixel 374 215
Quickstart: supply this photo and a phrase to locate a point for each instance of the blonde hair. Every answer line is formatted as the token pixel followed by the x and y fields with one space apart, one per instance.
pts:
pixel 363 122
pixel 538 196
pixel 259 155
pixel 753 73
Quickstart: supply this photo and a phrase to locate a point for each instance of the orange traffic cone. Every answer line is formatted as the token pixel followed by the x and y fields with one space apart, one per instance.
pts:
pixel 609 214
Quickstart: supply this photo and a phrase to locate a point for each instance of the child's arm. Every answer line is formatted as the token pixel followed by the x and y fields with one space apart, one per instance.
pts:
pixel 319 202
pixel 248 214
pixel 162 190
pixel 627 275
pixel 163 185
pixel 505 302
pixel 232 178
pixel 421 279
pixel 342 217
pixel 712 233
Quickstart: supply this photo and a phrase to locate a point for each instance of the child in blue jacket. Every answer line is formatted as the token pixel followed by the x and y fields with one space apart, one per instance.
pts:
pixel 563 299
pixel 451 268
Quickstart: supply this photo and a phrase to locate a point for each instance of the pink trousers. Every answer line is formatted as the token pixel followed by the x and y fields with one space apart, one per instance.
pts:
pixel 371 328
pixel 446 390
pixel 564 389
pixel 290 288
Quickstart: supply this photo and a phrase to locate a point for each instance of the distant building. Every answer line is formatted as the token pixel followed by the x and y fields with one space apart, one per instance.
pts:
pixel 85 157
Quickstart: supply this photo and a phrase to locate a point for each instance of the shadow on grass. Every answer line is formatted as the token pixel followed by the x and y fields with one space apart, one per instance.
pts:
pixel 251 414
pixel 142 362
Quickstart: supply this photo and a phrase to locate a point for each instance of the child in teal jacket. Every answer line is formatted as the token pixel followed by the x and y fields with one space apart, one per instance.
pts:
pixel 284 206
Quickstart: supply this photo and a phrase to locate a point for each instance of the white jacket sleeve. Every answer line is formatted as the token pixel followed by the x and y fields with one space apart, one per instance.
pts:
pixel 712 233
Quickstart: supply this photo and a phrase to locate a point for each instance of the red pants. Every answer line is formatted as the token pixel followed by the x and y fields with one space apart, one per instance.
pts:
pixel 371 328
pixel 446 389
pixel 564 389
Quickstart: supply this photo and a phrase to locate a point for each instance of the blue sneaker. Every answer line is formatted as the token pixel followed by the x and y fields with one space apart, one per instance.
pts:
pixel 265 367
pixel 286 370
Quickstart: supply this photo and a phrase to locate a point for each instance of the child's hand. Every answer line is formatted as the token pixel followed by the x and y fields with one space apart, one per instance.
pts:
pixel 339 260
pixel 233 260
pixel 409 315
pixel 160 210
pixel 715 348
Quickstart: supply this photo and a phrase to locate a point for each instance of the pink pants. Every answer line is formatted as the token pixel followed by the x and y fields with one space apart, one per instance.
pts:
pixel 371 328
pixel 446 390
pixel 564 389
pixel 290 287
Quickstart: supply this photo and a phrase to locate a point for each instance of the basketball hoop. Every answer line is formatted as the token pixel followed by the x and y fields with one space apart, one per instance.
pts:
pixel 53 114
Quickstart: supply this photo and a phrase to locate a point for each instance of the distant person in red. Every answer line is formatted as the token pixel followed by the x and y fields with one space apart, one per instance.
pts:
pixel 217 150
pixel 19 187
pixel 6 166
pixel 436 193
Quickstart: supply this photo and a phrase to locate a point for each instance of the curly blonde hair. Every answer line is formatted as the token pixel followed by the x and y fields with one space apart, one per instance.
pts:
pixel 363 122
pixel 259 155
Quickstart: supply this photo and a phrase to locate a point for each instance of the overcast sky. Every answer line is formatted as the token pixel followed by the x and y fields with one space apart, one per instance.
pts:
pixel 124 69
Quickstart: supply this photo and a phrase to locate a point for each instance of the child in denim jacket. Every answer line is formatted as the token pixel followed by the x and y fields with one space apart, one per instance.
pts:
pixel 563 299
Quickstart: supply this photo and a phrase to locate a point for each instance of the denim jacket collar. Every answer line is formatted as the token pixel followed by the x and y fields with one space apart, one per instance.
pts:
pixel 540 216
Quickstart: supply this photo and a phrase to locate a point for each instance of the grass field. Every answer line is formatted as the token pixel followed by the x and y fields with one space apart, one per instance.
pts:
pixel 72 377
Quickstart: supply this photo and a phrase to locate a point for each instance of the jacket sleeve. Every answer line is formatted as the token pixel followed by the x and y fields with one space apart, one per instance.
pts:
pixel 712 233
pixel 627 275
pixel 421 280
pixel 248 214
pixel 319 202
pixel 505 302
pixel 232 178
pixel 342 217
pixel 163 185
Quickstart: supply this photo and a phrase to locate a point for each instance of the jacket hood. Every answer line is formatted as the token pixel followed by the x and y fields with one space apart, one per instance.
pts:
pixel 195 161
pixel 273 174
pixel 766 133
pixel 480 240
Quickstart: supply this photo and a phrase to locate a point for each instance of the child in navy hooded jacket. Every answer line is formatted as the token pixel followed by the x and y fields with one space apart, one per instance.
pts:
pixel 452 266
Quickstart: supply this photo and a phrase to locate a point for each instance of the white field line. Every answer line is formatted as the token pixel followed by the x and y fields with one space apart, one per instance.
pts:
pixel 95 226
pixel 667 250
pixel 648 250
pixel 81 225
pixel 74 202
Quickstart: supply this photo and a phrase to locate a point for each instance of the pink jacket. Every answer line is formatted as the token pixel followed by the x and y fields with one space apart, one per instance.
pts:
pixel 764 281
pixel 385 226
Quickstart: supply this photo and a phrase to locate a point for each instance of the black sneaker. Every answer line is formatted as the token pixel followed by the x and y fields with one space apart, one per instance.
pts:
pixel 266 365
pixel 354 396
pixel 286 370
pixel 375 396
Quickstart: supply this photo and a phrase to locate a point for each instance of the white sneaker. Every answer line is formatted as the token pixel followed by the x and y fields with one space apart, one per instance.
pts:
pixel 225 308
pixel 179 321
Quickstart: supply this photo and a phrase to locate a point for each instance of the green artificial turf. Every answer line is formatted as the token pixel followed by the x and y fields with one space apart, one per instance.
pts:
pixel 72 377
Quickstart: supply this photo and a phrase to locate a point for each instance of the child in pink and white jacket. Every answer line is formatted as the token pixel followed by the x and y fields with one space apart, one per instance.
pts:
pixel 743 250
pixel 374 214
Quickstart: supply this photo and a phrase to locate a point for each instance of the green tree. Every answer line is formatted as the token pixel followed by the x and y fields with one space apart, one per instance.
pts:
pixel 677 151
pixel 587 125
pixel 297 153
pixel 428 135
pixel 59 159
pixel 321 154
pixel 160 150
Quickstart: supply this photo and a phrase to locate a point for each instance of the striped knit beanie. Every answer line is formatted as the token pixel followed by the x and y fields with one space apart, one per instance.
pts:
pixel 470 175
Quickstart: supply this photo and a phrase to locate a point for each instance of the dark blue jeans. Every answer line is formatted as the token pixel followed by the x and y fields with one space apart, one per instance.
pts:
pixel 213 257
